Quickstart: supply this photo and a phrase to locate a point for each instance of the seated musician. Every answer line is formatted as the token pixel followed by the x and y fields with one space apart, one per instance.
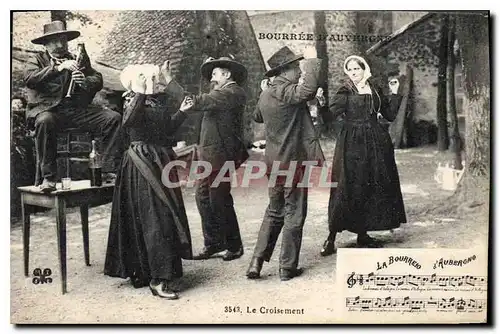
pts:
pixel 49 110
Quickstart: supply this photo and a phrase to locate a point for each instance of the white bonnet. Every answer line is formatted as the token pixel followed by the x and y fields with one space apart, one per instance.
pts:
pixel 131 74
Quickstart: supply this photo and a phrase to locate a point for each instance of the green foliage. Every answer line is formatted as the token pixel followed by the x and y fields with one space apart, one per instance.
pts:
pixel 84 19
pixel 67 15
pixel 219 32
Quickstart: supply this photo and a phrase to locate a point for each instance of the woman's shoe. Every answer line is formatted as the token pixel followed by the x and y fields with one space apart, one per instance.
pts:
pixel 328 248
pixel 138 282
pixel 163 291
pixel 365 241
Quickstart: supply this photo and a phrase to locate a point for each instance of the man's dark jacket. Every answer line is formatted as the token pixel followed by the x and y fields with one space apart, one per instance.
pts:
pixel 47 87
pixel 290 132
pixel 221 126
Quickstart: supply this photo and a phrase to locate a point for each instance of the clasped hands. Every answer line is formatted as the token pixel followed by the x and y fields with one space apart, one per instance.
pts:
pixel 76 74
pixel 166 76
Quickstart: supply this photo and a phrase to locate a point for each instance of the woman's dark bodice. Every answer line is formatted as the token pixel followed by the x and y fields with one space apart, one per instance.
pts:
pixel 360 107
pixel 147 119
pixel 364 107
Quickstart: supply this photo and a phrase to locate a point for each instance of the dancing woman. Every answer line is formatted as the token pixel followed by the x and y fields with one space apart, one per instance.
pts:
pixel 149 232
pixel 368 195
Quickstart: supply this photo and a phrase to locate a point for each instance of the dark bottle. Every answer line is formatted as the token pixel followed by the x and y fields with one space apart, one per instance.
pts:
pixel 95 166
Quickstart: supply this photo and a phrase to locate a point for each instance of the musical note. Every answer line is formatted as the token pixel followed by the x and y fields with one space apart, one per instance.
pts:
pixel 415 303
pixel 379 280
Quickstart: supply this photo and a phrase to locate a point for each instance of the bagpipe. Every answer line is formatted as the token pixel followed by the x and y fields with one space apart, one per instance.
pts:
pixel 81 59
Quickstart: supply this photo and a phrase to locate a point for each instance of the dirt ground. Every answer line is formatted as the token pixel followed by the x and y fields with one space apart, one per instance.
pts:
pixel 211 286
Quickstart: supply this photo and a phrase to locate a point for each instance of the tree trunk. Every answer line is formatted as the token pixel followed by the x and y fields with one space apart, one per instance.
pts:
pixel 473 37
pixel 58 15
pixel 442 140
pixel 321 49
pixel 455 140
pixel 398 126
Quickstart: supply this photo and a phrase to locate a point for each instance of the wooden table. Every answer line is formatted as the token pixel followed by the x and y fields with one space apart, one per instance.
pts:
pixel 80 195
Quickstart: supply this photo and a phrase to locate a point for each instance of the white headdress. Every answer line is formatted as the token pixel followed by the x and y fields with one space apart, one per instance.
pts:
pixel 132 74
pixel 367 74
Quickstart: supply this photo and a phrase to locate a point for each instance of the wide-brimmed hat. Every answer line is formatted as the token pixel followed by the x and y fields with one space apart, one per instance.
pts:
pixel 280 59
pixel 238 70
pixel 53 29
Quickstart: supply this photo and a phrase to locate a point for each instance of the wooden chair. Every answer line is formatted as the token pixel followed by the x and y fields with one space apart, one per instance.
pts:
pixel 68 154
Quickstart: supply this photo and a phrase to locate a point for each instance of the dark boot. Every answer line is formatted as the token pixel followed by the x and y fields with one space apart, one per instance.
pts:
pixel 230 255
pixel 365 241
pixel 329 245
pixel 207 252
pixel 255 267
pixel 288 274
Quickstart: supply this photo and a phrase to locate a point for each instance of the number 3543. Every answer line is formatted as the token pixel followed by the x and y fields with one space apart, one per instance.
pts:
pixel 232 309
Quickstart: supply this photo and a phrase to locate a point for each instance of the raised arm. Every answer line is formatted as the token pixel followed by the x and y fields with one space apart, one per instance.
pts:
pixel 390 105
pixel 132 111
pixel 304 91
pixel 176 92
pixel 137 113
pixel 220 99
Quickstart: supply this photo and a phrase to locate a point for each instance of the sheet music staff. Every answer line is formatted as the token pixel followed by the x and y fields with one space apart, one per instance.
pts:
pixel 373 279
pixel 459 304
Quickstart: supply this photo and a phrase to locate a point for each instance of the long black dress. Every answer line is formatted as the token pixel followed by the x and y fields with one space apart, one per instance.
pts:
pixel 368 196
pixel 149 231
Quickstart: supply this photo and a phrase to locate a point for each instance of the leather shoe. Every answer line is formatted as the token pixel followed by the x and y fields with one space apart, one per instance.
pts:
pixel 162 290
pixel 207 252
pixel 47 186
pixel 254 268
pixel 230 255
pixel 138 282
pixel 288 274
pixel 328 248
pixel 365 241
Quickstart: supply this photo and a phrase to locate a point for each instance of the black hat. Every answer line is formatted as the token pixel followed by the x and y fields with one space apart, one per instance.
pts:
pixel 280 59
pixel 55 28
pixel 238 70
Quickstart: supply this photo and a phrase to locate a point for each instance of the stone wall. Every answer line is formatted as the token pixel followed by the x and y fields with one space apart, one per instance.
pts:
pixel 302 22
pixel 282 22
pixel 340 23
pixel 419 50
pixel 369 23
pixel 424 79
pixel 96 28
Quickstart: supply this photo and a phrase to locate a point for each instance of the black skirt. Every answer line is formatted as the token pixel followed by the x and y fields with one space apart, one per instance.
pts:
pixel 149 234
pixel 368 196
